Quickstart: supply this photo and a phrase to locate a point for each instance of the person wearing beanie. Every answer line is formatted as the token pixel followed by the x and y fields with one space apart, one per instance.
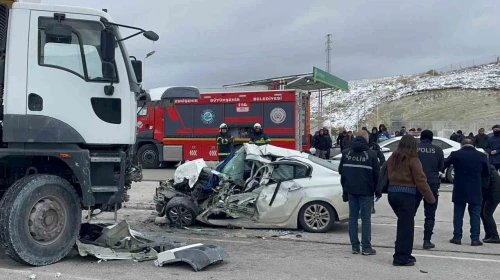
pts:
pixel 432 159
pixel 493 148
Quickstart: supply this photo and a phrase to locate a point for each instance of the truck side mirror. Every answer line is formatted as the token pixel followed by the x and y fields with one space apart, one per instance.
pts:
pixel 108 43
pixel 58 33
pixel 137 65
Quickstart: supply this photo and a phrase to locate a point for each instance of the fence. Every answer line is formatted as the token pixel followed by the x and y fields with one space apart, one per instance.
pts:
pixel 469 63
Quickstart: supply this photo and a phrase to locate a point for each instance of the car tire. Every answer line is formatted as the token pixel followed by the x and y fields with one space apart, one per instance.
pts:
pixel 321 223
pixel 148 156
pixel 181 212
pixel 40 218
pixel 450 174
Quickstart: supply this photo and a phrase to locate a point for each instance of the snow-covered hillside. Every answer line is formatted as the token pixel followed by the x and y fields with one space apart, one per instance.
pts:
pixel 342 109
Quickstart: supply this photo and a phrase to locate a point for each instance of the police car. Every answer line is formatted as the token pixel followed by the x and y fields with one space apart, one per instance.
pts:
pixel 389 146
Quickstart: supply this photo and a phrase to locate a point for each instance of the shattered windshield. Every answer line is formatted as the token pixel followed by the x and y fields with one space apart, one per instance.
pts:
pixel 235 168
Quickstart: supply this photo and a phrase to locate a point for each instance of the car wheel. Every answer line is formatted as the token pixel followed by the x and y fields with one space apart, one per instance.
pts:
pixel 181 212
pixel 317 217
pixel 148 156
pixel 450 174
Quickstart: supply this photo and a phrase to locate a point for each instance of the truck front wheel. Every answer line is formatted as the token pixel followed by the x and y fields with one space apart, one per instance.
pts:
pixel 40 217
pixel 148 156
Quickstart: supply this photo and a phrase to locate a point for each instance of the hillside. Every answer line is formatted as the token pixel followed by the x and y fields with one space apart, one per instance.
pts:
pixel 467 95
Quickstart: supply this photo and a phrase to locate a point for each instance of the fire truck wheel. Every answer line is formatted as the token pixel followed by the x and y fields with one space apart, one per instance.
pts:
pixel 40 217
pixel 148 156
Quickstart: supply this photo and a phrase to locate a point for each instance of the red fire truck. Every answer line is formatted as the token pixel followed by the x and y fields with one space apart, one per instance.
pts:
pixel 188 130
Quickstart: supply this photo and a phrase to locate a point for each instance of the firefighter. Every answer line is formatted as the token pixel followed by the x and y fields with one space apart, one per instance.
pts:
pixel 258 137
pixel 224 142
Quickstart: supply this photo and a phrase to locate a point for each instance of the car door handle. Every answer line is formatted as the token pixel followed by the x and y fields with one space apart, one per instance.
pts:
pixel 295 188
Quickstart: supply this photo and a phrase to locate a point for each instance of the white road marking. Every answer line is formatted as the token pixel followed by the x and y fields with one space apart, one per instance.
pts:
pixel 219 240
pixel 46 274
pixel 457 258
pixel 391 225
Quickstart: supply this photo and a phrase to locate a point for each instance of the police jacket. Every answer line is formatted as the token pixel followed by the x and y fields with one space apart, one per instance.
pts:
pixel 432 159
pixel 224 142
pixel 359 169
pixel 260 138
pixel 494 144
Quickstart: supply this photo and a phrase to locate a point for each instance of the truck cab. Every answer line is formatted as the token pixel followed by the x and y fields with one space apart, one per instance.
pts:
pixel 68 90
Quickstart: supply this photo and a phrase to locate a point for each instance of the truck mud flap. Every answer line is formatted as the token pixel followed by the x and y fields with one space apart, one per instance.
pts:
pixel 198 256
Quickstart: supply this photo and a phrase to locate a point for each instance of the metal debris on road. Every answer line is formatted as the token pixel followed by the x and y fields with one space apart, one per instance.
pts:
pixel 58 274
pixel 198 256
pixel 32 276
pixel 119 242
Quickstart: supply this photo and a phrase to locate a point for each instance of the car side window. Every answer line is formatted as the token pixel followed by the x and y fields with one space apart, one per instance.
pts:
pixel 441 144
pixel 284 172
pixel 393 146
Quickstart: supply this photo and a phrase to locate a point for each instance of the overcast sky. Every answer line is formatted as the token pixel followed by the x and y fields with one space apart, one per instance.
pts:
pixel 208 43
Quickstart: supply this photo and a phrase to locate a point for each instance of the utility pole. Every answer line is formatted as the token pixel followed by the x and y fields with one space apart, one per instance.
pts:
pixel 328 51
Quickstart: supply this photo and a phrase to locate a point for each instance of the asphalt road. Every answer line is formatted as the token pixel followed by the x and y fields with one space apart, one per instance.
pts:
pixel 278 254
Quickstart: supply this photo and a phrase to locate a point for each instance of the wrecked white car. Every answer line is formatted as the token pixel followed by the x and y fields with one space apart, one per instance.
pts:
pixel 256 187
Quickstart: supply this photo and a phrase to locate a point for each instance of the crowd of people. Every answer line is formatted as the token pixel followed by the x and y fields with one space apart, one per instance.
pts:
pixel 412 174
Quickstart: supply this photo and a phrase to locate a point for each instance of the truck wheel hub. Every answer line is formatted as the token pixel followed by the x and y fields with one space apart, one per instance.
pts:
pixel 149 156
pixel 47 220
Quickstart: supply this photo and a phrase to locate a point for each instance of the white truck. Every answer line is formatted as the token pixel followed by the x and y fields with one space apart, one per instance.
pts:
pixel 68 90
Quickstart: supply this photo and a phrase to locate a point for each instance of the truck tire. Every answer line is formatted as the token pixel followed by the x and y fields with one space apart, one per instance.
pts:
pixel 40 217
pixel 148 156
pixel 181 212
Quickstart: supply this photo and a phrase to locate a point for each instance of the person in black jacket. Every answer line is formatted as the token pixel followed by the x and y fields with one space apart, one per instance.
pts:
pixel 321 144
pixel 374 135
pixel 481 139
pixel 491 200
pixel 224 142
pixel 381 159
pixel 453 137
pixel 471 167
pixel 359 173
pixel 460 136
pixel 347 140
pixel 493 148
pixel 432 159
pixel 329 142
pixel 340 138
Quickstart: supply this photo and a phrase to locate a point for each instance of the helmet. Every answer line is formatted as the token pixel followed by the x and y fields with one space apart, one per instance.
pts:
pixel 257 125
pixel 223 126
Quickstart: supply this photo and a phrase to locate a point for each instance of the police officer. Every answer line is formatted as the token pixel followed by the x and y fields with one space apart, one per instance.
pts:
pixel 258 137
pixel 432 159
pixel 224 142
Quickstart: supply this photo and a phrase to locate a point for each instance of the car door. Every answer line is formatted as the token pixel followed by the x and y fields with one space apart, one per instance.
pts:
pixel 67 81
pixel 283 192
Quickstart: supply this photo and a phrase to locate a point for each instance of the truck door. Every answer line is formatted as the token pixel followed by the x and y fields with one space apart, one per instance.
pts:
pixel 66 83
